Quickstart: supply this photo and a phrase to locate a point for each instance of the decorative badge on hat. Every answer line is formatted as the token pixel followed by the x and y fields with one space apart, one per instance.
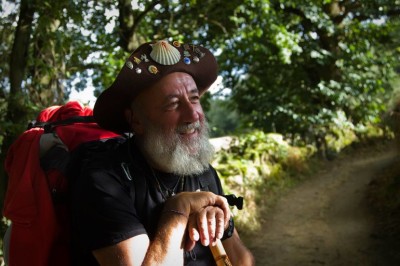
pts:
pixel 164 53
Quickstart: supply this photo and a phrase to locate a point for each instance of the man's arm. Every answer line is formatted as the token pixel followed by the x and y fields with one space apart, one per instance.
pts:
pixel 167 246
pixel 133 251
pixel 166 249
pixel 238 254
pixel 121 253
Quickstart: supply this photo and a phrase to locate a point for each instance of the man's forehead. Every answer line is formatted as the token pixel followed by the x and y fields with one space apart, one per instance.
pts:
pixel 179 92
pixel 178 77
pixel 175 82
pixel 172 85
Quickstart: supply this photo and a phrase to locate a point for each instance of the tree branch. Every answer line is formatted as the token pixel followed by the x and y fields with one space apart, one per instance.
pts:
pixel 308 25
pixel 128 23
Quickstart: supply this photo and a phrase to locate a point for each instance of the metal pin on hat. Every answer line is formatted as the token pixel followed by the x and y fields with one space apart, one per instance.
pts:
pixel 153 69
pixel 129 64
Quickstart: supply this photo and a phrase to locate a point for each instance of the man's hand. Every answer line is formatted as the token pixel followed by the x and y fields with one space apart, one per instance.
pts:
pixel 208 216
pixel 194 202
pixel 207 225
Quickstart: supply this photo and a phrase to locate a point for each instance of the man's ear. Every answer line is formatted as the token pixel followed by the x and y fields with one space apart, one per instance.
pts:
pixel 134 121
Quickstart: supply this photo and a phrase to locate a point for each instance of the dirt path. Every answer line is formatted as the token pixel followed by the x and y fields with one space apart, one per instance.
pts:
pixel 325 220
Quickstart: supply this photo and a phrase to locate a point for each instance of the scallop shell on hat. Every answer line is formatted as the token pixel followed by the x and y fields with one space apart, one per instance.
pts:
pixel 164 53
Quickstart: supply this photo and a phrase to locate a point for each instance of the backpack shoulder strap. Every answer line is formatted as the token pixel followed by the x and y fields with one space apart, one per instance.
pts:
pixel 208 181
pixel 135 176
pixel 49 126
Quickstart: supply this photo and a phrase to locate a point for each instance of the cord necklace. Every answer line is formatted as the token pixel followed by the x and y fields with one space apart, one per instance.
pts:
pixel 164 190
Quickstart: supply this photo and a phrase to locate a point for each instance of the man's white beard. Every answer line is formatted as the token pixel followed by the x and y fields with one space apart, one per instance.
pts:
pixel 173 155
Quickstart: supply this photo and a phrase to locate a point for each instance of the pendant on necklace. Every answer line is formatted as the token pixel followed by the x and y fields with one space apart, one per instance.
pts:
pixel 170 193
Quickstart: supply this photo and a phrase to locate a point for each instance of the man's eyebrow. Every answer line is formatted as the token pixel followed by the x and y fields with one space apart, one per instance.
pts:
pixel 172 95
pixel 176 95
pixel 194 90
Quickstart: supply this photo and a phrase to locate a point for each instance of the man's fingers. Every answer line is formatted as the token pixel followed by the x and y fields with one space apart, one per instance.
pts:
pixel 208 214
pixel 222 203
pixel 220 226
pixel 211 225
pixel 202 226
pixel 194 234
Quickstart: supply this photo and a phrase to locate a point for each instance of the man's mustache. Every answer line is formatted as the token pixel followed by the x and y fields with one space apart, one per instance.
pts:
pixel 187 127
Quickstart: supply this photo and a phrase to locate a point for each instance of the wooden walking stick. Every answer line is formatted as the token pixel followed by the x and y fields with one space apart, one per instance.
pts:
pixel 218 251
pixel 219 254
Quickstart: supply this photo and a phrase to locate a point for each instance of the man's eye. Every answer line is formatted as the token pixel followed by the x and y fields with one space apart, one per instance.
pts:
pixel 172 105
pixel 195 98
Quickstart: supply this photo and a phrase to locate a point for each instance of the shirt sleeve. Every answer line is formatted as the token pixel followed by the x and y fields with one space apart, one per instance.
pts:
pixel 103 209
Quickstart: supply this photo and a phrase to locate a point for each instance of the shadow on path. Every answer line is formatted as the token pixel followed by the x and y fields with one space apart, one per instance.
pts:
pixel 326 220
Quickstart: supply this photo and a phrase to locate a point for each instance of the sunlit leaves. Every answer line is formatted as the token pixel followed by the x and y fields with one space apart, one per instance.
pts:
pixel 287 42
pixel 312 61
pixel 289 63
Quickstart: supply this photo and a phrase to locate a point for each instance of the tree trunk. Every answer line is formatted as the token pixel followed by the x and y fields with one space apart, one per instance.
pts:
pixel 129 21
pixel 16 107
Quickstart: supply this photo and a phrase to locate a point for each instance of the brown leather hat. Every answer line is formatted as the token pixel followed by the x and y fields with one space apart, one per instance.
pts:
pixel 144 67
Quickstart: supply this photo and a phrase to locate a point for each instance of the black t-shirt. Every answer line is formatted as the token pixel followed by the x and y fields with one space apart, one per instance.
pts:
pixel 118 197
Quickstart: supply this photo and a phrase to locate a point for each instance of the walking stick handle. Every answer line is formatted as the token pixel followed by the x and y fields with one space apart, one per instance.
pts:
pixel 219 254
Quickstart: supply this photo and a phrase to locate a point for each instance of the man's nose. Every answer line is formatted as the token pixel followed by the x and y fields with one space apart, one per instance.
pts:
pixel 191 112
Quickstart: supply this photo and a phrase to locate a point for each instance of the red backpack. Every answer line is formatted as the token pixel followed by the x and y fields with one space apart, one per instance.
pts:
pixel 37 164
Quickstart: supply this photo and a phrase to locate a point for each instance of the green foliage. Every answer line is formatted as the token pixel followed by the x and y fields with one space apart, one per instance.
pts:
pixel 341 133
pixel 292 65
pixel 259 165
pixel 303 61
pixel 256 165
pixel 223 120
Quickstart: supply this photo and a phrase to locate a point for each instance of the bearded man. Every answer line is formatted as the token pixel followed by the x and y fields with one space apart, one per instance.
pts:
pixel 155 199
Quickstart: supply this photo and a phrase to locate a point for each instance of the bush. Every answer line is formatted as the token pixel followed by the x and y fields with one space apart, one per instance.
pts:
pixel 256 165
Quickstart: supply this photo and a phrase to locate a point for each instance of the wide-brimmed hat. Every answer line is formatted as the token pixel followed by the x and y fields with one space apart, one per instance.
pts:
pixel 145 66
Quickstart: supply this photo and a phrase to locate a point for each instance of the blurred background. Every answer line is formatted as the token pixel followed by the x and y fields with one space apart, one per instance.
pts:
pixel 299 79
